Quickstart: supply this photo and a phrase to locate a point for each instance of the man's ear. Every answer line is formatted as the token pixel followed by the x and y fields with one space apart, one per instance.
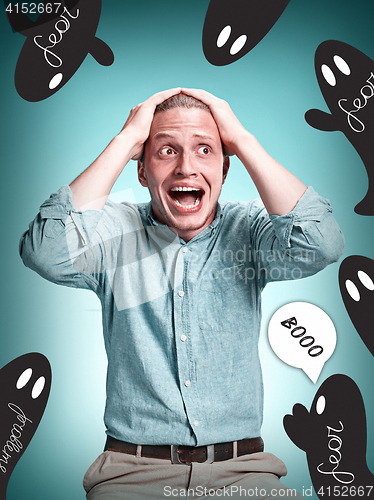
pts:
pixel 141 174
pixel 226 165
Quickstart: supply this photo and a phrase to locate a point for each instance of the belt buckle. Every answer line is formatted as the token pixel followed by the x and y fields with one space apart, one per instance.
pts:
pixel 175 455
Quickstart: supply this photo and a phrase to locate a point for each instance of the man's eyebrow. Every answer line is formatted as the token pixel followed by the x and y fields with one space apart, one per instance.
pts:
pixel 170 135
pixel 205 136
pixel 163 135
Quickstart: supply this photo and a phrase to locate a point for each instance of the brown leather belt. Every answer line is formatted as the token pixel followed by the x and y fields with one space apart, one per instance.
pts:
pixel 179 454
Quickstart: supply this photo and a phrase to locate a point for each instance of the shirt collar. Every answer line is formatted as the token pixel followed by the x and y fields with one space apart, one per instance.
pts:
pixel 210 229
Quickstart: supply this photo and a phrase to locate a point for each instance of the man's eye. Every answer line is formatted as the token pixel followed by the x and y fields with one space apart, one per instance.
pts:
pixel 167 151
pixel 204 150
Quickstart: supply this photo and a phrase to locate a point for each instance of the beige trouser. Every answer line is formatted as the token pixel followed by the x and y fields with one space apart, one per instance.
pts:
pixel 119 476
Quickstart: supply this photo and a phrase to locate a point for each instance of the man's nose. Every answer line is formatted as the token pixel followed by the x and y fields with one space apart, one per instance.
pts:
pixel 186 165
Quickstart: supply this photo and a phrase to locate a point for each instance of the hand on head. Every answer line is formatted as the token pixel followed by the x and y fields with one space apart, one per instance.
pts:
pixel 139 122
pixel 229 127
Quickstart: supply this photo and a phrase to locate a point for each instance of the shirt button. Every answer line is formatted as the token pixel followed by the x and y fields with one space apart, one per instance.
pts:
pixel 184 249
pixel 187 383
pixel 181 293
pixel 183 338
pixel 196 423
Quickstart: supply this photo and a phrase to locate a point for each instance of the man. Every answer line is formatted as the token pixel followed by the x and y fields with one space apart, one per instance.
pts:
pixel 179 280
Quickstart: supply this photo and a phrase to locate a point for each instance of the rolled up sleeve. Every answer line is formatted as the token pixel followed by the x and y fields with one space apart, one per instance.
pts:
pixel 300 243
pixel 56 237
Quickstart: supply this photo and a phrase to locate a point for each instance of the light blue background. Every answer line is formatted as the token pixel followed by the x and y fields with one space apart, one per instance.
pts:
pixel 157 45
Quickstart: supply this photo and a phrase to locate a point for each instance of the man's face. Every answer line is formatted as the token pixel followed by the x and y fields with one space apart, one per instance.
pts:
pixel 184 169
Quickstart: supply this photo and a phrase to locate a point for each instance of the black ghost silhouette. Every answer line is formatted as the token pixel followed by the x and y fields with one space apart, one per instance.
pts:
pixel 333 435
pixel 232 29
pixel 346 79
pixel 56 47
pixel 356 281
pixel 25 383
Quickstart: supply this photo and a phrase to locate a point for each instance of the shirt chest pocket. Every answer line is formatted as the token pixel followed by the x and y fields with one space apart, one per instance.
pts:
pixel 220 298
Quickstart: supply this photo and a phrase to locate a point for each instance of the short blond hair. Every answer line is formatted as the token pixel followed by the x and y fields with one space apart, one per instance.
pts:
pixel 181 101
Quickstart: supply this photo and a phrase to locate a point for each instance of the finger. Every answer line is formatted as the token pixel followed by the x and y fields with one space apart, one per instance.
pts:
pixel 156 99
pixel 146 108
pixel 202 95
pixel 160 97
pixel 220 110
pixel 190 91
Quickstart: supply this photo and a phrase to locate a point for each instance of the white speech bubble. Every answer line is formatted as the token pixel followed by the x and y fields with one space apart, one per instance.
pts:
pixel 303 336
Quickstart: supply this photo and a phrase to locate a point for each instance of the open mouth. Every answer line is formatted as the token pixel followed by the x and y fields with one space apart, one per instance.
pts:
pixel 187 198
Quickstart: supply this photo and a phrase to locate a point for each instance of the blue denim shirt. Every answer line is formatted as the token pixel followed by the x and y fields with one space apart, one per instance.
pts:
pixel 181 320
